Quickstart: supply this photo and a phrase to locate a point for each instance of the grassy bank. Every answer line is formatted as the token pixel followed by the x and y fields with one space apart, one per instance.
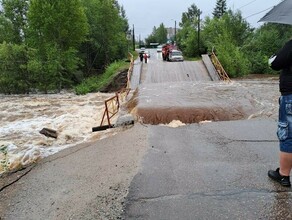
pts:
pixel 97 83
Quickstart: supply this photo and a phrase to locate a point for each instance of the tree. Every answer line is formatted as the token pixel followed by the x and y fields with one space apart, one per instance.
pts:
pixel 232 22
pixel 161 34
pixel 158 35
pixel 232 58
pixel 187 37
pixel 45 43
pixel 108 29
pixel 14 77
pixel 6 30
pixel 191 16
pixel 227 35
pixel 15 11
pixel 122 14
pixel 125 19
pixel 55 31
pixel 220 8
pixel 265 41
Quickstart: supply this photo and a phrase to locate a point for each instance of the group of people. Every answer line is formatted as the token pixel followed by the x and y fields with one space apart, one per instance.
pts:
pixel 143 56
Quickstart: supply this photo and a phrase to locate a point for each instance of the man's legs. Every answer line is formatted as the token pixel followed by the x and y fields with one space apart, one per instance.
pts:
pixel 285 163
pixel 284 132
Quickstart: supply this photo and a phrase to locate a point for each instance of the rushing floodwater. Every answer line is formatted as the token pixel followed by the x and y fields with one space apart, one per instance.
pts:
pixel 22 117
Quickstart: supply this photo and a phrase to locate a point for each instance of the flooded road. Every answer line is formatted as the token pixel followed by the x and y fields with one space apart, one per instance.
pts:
pixel 184 91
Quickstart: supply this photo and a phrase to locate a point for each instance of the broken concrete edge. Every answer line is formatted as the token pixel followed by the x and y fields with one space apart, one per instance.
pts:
pixel 122 121
pixel 210 67
pixel 12 176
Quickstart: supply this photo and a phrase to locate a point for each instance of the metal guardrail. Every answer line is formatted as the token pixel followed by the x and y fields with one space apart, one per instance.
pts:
pixel 130 71
pixel 111 109
pixel 219 68
pixel 112 104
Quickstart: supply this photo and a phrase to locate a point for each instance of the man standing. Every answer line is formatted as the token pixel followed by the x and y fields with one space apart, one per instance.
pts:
pixel 145 57
pixel 283 61
pixel 141 56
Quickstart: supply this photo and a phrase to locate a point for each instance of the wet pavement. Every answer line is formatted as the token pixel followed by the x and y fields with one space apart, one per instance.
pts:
pixel 210 171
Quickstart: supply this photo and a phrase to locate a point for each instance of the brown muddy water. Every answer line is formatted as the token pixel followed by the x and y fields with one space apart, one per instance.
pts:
pixel 72 116
pixel 193 102
pixel 22 117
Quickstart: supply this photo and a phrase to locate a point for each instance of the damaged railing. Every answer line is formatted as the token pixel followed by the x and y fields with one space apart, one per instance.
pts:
pixel 113 104
pixel 219 68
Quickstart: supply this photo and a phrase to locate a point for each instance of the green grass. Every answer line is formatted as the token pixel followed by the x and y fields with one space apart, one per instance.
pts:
pixel 135 54
pixel 96 83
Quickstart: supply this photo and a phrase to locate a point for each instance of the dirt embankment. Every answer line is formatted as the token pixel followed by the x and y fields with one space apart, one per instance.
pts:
pixel 119 82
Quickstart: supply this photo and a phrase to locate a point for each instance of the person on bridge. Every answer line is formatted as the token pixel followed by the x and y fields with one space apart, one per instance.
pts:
pixel 141 57
pixel 283 61
pixel 145 57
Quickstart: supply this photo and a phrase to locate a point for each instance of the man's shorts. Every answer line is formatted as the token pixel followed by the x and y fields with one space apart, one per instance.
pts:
pixel 284 131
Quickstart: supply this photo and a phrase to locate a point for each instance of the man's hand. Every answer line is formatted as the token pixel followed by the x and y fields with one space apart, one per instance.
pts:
pixel 271 59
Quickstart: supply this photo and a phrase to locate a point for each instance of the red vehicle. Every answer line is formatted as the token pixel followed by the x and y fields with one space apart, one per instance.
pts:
pixel 166 50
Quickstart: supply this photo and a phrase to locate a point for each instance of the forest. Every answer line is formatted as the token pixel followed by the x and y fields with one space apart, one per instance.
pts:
pixel 47 46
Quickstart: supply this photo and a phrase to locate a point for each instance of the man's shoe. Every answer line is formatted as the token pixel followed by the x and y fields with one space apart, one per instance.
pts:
pixel 283 180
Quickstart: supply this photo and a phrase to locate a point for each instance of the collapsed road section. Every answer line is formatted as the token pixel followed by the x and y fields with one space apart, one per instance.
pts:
pixel 189 91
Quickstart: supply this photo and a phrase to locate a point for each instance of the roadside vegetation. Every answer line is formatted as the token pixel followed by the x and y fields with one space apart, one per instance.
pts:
pixel 241 49
pixel 97 83
pixel 47 46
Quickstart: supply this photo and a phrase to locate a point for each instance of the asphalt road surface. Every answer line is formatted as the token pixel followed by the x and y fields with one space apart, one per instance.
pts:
pixel 158 71
pixel 209 171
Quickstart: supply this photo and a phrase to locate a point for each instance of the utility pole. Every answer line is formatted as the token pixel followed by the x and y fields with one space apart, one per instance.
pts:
pixel 199 21
pixel 175 30
pixel 133 38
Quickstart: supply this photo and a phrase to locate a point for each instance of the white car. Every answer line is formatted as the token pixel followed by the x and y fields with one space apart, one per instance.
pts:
pixel 159 48
pixel 176 55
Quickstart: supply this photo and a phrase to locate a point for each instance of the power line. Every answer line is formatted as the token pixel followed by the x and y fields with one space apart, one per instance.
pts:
pixel 247 4
pixel 258 12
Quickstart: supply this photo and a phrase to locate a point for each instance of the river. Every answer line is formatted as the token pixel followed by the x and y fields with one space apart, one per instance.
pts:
pixel 22 117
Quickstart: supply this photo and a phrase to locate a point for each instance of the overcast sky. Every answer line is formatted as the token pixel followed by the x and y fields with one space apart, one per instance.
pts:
pixel 145 14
